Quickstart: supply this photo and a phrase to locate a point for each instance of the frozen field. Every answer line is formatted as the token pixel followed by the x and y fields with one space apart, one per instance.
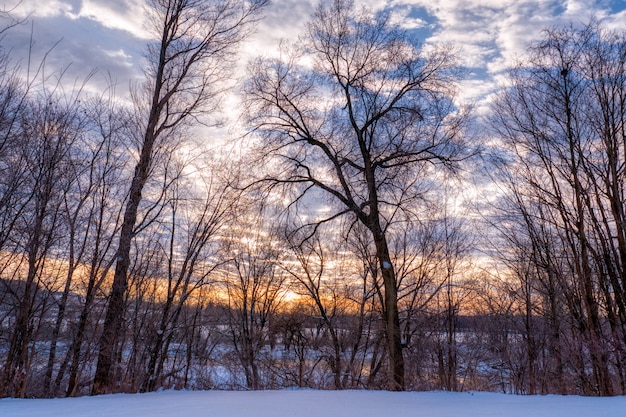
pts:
pixel 305 403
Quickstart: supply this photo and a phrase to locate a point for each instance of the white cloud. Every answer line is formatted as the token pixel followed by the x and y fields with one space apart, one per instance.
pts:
pixel 120 14
pixel 490 34
pixel 37 8
pixel 616 21
pixel 493 34
pixel 399 17
pixel 282 20
pixel 125 15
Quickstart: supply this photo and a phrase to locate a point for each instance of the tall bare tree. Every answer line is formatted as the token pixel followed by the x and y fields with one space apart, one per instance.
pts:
pixel 99 226
pixel 357 114
pixel 562 122
pixel 187 67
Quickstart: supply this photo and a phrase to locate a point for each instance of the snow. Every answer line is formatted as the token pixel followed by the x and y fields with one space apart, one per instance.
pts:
pixel 309 403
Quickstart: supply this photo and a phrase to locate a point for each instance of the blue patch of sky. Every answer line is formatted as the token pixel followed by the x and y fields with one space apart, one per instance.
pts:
pixel 427 23
pixel 430 22
pixel 616 6
pixel 558 8
pixel 479 73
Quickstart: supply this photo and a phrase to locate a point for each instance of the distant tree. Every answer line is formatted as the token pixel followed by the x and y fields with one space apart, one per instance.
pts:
pixel 190 258
pixel 338 289
pixel 357 114
pixel 254 288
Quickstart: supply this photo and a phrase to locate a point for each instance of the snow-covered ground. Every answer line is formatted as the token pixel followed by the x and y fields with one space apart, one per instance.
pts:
pixel 304 403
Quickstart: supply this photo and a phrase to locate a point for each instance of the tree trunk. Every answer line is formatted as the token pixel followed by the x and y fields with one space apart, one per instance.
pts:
pixel 113 321
pixel 392 319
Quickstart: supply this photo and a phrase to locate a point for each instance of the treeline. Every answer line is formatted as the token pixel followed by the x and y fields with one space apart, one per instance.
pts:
pixel 329 247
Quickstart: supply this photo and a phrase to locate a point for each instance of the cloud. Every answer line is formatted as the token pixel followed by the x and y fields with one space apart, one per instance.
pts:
pixel 616 21
pixel 124 15
pixel 493 34
pixel 282 20
pixel 490 34
pixel 41 9
pixel 75 48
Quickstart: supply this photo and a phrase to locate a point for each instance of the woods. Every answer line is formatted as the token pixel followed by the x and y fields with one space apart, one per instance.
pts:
pixel 329 247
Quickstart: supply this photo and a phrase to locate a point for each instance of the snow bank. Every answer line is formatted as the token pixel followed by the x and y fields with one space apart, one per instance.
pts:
pixel 304 403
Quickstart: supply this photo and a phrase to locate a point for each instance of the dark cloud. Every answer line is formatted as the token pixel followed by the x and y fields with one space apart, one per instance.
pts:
pixel 76 47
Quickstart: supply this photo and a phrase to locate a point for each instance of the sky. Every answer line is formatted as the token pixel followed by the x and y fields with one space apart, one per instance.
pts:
pixel 109 35
pixel 311 403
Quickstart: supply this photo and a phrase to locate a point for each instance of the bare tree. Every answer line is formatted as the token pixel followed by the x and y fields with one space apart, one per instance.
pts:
pixel 339 290
pixel 254 289
pixel 190 258
pixel 50 129
pixel 562 122
pixel 185 72
pixel 360 128
pixel 98 225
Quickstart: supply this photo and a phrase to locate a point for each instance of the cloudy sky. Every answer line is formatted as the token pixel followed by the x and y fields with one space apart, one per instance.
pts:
pixel 108 35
